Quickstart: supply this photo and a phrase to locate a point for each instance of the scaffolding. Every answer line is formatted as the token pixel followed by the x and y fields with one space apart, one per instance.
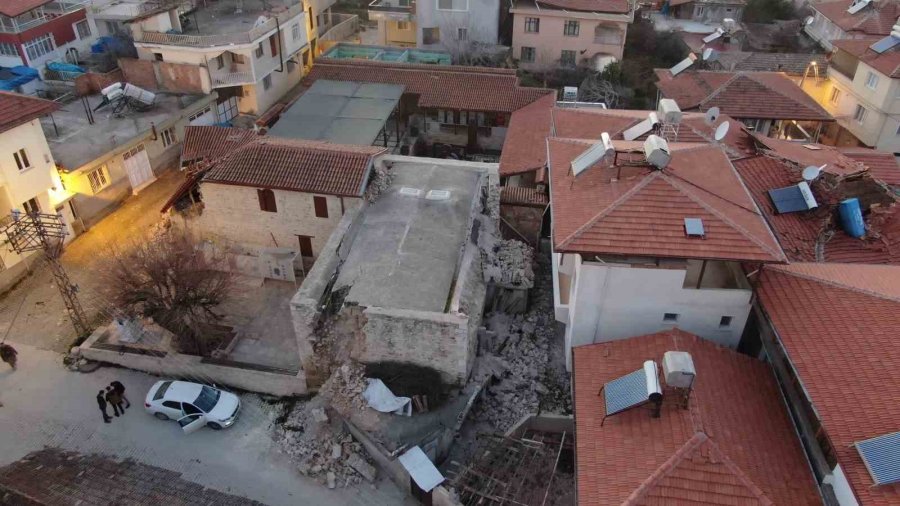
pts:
pixel 46 233
pixel 511 471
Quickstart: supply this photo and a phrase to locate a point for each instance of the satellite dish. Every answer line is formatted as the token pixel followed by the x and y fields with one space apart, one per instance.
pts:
pixel 812 172
pixel 808 20
pixel 712 115
pixel 721 131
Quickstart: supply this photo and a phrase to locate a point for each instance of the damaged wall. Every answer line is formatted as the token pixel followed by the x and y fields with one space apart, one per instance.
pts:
pixel 165 76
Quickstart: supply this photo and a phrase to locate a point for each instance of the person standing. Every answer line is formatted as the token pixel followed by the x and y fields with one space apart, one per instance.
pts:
pixel 101 401
pixel 115 400
pixel 120 389
pixel 8 354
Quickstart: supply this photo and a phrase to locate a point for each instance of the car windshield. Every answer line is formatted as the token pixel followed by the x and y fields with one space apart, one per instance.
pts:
pixel 161 391
pixel 207 399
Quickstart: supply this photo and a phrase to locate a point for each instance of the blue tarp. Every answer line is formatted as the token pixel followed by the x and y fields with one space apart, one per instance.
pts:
pixel 107 43
pixel 24 76
pixel 64 67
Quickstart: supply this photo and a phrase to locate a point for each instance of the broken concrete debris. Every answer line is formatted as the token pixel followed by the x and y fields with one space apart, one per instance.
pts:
pixel 509 264
pixel 380 182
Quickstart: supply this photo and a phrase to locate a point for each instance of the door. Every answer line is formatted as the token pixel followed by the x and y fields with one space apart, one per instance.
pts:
pixel 202 118
pixel 137 166
pixel 172 409
pixel 227 109
pixel 192 423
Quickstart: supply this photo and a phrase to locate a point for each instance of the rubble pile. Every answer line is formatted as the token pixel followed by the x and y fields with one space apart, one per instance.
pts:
pixel 380 182
pixel 343 390
pixel 492 202
pixel 510 264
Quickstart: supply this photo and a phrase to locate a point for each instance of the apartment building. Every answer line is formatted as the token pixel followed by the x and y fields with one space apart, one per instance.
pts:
pixel 862 92
pixel 34 32
pixel 568 33
pixel 851 19
pixel 451 25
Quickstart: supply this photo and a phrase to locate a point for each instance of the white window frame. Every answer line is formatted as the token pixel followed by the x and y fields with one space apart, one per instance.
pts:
pixel 871 81
pixel 8 49
pixel 98 179
pixel 571 23
pixel 23 161
pixel 404 26
pixel 168 137
pixel 85 23
pixel 295 31
pixel 267 82
pixel 533 53
pixel 259 51
pixel 532 22
pixel 835 96
pixel 462 34
pixel 197 114
pixel 859 115
pixel 39 46
pixel 451 9
pixel 574 61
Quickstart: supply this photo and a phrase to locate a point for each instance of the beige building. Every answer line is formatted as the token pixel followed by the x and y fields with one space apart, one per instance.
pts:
pixel 851 19
pixel 568 33
pixel 862 91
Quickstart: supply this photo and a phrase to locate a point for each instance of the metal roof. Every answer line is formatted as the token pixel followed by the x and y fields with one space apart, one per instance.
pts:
pixel 343 112
pixel 882 457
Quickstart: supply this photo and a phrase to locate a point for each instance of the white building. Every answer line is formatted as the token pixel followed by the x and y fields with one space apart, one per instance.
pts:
pixel 851 19
pixel 452 25
pixel 638 249
pixel 29 181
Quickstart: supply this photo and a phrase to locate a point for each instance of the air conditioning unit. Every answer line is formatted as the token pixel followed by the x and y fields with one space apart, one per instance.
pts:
pixel 669 111
pixel 678 369
pixel 656 151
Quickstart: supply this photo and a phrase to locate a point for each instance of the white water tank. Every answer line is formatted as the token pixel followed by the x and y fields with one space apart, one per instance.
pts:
pixel 656 151
pixel 669 111
pixel 678 368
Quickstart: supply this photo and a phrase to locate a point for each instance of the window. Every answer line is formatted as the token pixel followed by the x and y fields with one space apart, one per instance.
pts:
pixel 237 58
pixel 871 81
pixel 267 82
pixel 725 321
pixel 453 5
pixel 291 66
pixel 158 56
pixel 273 44
pixel 431 35
pixel 403 25
pixel 607 34
pixel 168 137
pixel 8 49
pixel 266 201
pixel 39 46
pixel 259 51
pixel 31 206
pixel 305 246
pixel 670 317
pixel 83 28
pixel 699 10
pixel 898 130
pixel 532 25
pixel 835 96
pixel 295 31
pixel 567 58
pixel 198 114
pixel 311 19
pixel 220 62
pixel 527 54
pixel 22 160
pixel 98 179
pixel 462 33
pixel 860 114
pixel 321 206
pixel 161 391
pixel 172 405
pixel 571 28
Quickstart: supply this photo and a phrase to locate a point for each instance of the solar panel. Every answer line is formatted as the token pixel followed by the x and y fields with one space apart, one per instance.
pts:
pixel 632 389
pixel 694 227
pixel 882 457
pixel 885 44
pixel 793 198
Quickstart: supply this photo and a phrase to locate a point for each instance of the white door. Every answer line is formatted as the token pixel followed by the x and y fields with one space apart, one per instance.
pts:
pixel 227 109
pixel 203 118
pixel 192 423
pixel 137 166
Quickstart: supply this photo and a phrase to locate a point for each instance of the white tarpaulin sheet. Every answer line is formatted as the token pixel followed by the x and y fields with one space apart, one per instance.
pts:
pixel 421 469
pixel 380 398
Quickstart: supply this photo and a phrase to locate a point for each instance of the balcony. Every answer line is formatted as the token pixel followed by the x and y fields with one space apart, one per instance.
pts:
pixel 24 22
pixel 392 10
pixel 343 27
pixel 61 7
pixel 222 79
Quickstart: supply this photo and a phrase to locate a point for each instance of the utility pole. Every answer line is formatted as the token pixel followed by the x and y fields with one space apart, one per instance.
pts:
pixel 46 232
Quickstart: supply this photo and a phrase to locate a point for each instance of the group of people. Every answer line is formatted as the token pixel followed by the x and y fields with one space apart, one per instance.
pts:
pixel 114 395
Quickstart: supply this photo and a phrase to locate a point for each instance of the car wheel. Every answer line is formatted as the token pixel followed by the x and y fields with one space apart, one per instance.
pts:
pixel 161 416
pixel 214 426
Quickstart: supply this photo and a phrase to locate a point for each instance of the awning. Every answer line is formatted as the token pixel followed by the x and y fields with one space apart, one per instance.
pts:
pixel 421 469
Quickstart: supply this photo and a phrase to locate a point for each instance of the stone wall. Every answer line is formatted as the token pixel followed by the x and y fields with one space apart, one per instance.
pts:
pixel 164 76
pixel 525 222
pixel 92 82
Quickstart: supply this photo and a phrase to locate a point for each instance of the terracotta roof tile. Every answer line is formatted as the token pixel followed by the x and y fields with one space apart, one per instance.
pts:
pixel 883 166
pixel 806 154
pixel 522 196
pixel 837 323
pixel 876 19
pixel 307 166
pixel 769 95
pixel 14 8
pixel 525 147
pixel 888 62
pixel 637 210
pixel 614 6
pixel 212 142
pixel 438 86
pixel 17 109
pixel 789 63
pixel 716 452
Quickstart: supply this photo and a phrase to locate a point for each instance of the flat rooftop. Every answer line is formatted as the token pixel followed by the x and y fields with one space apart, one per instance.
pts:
pixel 343 112
pixel 221 16
pixel 406 251
pixel 343 50
pixel 79 142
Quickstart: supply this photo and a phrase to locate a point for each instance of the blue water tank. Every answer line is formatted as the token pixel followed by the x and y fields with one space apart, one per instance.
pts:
pixel 852 218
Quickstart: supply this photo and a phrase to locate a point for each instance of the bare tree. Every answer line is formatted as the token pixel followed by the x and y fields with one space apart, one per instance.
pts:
pixel 168 278
pixel 595 89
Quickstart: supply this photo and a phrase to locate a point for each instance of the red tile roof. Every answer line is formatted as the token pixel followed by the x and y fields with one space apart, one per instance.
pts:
pixel 806 154
pixel 876 19
pixel 17 109
pixel 614 6
pixel 438 86
pixel 883 166
pixel 522 196
pixel 767 95
pixel 888 62
pixel 211 142
pixel 837 324
pixel 525 146
pixel 305 166
pixel 636 210
pixel 14 8
pixel 717 452
pixel 816 235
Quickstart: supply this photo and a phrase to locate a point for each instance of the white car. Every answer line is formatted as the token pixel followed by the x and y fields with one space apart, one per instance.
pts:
pixel 193 405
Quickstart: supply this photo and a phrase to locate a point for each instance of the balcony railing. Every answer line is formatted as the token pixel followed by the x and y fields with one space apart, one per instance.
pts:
pixel 66 6
pixel 231 78
pixel 10 25
pixel 222 39
pixel 389 6
pixel 344 27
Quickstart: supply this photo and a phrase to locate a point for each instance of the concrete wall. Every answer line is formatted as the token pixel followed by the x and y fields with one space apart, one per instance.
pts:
pixel 22 185
pixel 607 303
pixel 526 221
pixel 165 76
pixel 481 19
pixel 493 141
pixel 177 365
pixel 92 82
